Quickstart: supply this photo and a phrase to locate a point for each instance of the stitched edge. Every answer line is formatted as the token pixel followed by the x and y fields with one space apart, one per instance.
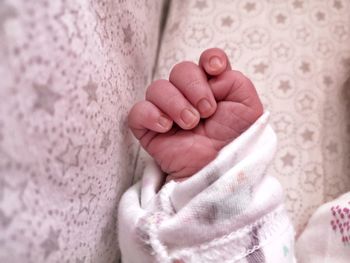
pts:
pixel 274 222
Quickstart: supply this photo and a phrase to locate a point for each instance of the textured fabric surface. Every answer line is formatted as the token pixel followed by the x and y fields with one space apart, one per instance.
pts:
pixel 69 72
pixel 230 211
pixel 331 224
pixel 297 53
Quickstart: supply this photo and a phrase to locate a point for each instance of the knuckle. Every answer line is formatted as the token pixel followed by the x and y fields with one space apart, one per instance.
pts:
pixel 175 101
pixel 193 84
pixel 182 67
pixel 134 109
pixel 154 87
pixel 239 75
pixel 241 79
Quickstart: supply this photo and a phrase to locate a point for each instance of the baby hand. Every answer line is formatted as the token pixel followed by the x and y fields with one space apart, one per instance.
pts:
pixel 185 121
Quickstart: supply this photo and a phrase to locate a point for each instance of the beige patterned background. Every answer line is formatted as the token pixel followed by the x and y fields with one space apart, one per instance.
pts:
pixel 297 53
pixel 70 70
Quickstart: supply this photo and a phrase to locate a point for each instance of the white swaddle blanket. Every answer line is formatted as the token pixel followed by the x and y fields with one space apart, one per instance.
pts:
pixel 230 211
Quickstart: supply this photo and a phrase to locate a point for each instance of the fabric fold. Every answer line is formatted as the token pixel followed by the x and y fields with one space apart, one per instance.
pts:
pixel 231 210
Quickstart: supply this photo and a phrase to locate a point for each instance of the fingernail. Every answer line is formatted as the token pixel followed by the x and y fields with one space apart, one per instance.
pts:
pixel 204 106
pixel 164 122
pixel 188 117
pixel 215 62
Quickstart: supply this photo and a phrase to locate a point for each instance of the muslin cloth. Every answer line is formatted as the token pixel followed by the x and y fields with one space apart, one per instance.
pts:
pixel 230 211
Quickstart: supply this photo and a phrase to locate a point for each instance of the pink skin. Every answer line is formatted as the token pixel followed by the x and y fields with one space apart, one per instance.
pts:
pixel 183 133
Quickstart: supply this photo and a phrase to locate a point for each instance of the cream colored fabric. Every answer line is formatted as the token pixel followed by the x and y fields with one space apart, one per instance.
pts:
pixel 69 72
pixel 297 53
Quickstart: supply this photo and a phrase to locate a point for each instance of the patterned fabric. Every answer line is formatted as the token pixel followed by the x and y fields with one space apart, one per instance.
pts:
pixel 331 224
pixel 297 53
pixel 223 213
pixel 69 71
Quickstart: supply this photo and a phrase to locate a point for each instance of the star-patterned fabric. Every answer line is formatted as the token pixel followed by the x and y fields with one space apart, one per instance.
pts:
pixel 69 70
pixel 297 53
